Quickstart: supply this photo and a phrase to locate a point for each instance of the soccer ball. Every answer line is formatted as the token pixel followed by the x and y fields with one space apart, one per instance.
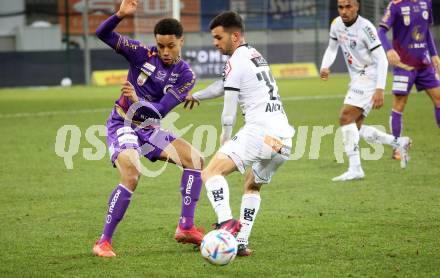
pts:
pixel 219 247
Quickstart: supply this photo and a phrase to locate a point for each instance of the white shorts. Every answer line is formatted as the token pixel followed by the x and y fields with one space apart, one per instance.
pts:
pixel 360 94
pixel 251 146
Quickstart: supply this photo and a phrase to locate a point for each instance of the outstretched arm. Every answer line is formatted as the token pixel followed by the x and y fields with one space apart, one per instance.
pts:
pixel 214 90
pixel 105 30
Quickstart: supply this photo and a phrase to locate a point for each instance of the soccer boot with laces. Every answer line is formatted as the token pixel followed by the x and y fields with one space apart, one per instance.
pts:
pixel 233 226
pixel 404 146
pixel 350 175
pixel 193 235
pixel 243 250
pixel 103 249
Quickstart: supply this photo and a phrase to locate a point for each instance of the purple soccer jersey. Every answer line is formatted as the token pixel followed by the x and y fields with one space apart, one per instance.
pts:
pixel 412 40
pixel 160 86
pixel 410 21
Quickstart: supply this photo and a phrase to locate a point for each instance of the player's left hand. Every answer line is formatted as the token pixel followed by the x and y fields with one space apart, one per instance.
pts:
pixel 436 62
pixel 378 99
pixel 128 91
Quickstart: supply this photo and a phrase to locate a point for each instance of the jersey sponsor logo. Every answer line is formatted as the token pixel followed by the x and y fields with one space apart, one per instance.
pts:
pixel 113 201
pixel 249 214
pixel 226 70
pixel 218 195
pixel 386 16
pixel 273 107
pixel 189 184
pixel 259 61
pixel 406 20
pixel 353 44
pixel 370 34
pixel 141 78
pixel 187 200
pixel 401 78
pixel 357 91
pixel 123 130
pixel 173 77
pixel 400 86
pixel 425 15
pixel 405 10
pixel 160 75
pixel 424 5
pixel 149 67
pixel 186 86
pixel 417 35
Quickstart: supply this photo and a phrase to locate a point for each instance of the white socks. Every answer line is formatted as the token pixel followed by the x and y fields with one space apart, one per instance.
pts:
pixel 350 138
pixel 374 135
pixel 250 204
pixel 217 190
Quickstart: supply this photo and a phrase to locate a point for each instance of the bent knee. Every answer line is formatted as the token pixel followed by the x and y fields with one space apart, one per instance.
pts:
pixel 195 162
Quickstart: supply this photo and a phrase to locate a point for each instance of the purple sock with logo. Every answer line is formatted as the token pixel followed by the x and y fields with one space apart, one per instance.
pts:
pixel 437 115
pixel 117 205
pixel 190 188
pixel 396 123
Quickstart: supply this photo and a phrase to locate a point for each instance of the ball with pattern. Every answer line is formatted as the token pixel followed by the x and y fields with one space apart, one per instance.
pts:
pixel 219 247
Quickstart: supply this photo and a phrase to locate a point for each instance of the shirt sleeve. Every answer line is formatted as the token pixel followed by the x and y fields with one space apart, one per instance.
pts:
pixel 183 86
pixel 332 33
pixel 371 39
pixel 389 17
pixel 232 76
pixel 131 49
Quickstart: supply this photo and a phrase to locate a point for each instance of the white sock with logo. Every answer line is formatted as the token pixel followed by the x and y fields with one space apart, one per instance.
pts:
pixel 250 204
pixel 217 190
pixel 374 135
pixel 350 138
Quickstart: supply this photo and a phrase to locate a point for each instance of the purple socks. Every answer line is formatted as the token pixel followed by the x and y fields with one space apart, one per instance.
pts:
pixel 396 123
pixel 117 205
pixel 190 188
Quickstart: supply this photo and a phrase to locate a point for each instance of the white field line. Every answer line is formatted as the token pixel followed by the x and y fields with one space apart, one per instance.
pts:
pixel 53 113
pixel 99 110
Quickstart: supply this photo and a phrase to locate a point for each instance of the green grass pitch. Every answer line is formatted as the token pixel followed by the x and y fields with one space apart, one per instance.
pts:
pixel 386 225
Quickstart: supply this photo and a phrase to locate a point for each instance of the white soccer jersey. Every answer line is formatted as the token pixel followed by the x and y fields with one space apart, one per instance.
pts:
pixel 248 73
pixel 357 42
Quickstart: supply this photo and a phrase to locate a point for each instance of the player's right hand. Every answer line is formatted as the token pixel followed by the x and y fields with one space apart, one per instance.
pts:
pixel 190 101
pixel 436 62
pixel 128 90
pixel 128 7
pixel 393 57
pixel 324 73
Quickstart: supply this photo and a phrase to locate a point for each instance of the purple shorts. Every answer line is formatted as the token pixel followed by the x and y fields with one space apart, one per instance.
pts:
pixel 403 80
pixel 149 141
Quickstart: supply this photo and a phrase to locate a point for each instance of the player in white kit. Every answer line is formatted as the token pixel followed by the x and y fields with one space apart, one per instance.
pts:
pixel 263 144
pixel 367 64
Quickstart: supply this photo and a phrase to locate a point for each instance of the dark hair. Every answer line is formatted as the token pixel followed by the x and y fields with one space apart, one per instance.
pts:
pixel 228 20
pixel 168 26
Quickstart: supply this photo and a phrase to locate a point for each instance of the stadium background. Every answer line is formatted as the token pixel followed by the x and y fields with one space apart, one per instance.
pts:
pixel 33 35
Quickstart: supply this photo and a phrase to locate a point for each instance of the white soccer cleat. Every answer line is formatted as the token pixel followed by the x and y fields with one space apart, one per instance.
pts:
pixel 350 175
pixel 404 145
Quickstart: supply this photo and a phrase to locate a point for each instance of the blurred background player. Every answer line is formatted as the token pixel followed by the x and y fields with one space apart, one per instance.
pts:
pixel 263 143
pixel 413 55
pixel 158 80
pixel 367 64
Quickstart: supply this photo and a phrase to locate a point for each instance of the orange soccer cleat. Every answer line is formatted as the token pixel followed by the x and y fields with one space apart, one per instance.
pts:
pixel 193 235
pixel 103 249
